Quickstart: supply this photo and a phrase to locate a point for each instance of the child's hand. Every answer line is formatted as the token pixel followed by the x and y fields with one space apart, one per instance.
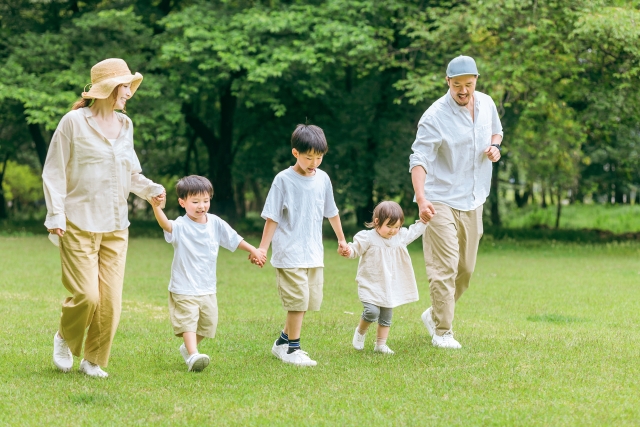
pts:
pixel 343 248
pixel 158 200
pixel 258 257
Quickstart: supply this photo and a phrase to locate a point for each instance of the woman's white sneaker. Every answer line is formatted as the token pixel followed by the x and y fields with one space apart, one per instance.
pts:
pixel 298 358
pixel 92 369
pixel 445 341
pixel 383 349
pixel 358 340
pixel 62 357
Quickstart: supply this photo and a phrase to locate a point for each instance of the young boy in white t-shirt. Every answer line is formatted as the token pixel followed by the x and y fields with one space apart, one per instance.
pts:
pixel 299 199
pixel 196 238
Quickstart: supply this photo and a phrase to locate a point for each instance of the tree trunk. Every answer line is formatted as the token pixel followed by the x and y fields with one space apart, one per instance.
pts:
pixel 559 207
pixel 3 202
pixel 544 196
pixel 494 196
pixel 364 212
pixel 224 198
pixel 257 195
pixel 38 140
pixel 241 208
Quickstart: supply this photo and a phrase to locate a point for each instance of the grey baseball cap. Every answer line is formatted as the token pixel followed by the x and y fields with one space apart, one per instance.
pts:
pixel 462 66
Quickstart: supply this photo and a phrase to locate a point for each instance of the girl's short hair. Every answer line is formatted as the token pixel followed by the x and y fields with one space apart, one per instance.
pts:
pixel 386 210
pixel 309 138
pixel 193 185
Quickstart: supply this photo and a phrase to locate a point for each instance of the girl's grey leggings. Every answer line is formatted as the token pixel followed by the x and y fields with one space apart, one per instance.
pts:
pixel 373 313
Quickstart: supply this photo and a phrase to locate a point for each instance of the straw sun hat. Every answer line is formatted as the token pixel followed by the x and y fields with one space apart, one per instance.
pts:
pixel 108 74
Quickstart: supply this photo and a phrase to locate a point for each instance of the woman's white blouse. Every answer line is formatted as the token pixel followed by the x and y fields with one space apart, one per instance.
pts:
pixel 87 179
pixel 385 274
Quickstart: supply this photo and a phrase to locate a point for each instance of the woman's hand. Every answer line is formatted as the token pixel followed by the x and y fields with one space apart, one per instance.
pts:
pixel 58 231
pixel 158 200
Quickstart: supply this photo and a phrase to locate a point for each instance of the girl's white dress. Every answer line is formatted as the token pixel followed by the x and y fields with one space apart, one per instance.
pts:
pixel 385 273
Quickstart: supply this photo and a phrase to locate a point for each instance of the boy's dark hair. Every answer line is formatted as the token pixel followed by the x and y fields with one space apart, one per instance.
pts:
pixel 309 138
pixel 192 185
pixel 386 210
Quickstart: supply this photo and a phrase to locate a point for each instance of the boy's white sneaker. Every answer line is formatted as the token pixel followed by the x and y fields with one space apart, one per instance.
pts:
pixel 184 353
pixel 427 319
pixel 197 362
pixel 383 349
pixel 445 341
pixel 279 350
pixel 92 369
pixel 358 340
pixel 62 357
pixel 298 358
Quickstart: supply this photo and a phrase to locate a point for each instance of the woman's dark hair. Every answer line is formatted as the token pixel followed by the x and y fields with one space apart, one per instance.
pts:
pixel 193 185
pixel 386 210
pixel 309 138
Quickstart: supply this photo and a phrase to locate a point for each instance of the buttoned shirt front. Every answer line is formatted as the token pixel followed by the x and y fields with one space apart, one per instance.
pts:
pixel 87 178
pixel 450 147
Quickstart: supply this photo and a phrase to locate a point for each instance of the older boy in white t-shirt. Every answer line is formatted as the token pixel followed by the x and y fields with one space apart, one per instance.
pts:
pixel 298 201
pixel 196 238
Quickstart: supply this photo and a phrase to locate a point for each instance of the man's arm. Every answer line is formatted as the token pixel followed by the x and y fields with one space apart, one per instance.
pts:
pixel 337 228
pixel 425 208
pixel 493 153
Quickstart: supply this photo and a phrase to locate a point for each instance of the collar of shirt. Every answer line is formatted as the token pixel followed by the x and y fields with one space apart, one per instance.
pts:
pixel 458 108
pixel 88 114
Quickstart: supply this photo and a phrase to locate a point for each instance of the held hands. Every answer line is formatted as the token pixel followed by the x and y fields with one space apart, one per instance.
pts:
pixel 58 231
pixel 344 249
pixel 157 201
pixel 426 210
pixel 258 257
pixel 493 153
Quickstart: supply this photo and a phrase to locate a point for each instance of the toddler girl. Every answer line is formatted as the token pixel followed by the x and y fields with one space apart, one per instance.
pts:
pixel 385 274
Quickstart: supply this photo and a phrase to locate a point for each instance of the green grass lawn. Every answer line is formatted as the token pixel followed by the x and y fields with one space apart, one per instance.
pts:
pixel 549 334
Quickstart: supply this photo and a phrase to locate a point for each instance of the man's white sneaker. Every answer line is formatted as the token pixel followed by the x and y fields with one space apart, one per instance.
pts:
pixel 358 340
pixel 197 362
pixel 92 369
pixel 445 341
pixel 383 349
pixel 298 358
pixel 184 353
pixel 62 357
pixel 279 350
pixel 427 319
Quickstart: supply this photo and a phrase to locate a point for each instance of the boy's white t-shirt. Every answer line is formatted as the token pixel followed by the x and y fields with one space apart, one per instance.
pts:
pixel 299 204
pixel 196 246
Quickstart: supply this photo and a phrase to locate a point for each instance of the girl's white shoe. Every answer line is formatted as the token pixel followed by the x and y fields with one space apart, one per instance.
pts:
pixel 383 349
pixel 358 340
pixel 92 369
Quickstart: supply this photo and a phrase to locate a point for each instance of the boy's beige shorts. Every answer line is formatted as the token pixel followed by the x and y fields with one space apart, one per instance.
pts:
pixel 191 313
pixel 300 289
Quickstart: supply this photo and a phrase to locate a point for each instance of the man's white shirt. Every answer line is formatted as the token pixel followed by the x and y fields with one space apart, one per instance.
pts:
pixel 450 147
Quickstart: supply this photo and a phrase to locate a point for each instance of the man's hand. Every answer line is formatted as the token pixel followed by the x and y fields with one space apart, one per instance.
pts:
pixel 426 210
pixel 158 200
pixel 58 231
pixel 493 153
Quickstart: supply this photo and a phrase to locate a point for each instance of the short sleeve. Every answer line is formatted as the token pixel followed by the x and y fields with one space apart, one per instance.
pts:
pixel 330 208
pixel 274 205
pixel 175 231
pixel 229 238
pixel 360 244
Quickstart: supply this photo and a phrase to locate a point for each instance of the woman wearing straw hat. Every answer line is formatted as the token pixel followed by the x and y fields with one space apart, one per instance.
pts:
pixel 90 169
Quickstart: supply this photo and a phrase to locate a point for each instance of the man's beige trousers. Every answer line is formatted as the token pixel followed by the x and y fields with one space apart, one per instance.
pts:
pixel 93 272
pixel 450 246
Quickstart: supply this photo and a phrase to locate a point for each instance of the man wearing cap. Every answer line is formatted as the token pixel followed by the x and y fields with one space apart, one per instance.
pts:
pixel 458 138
